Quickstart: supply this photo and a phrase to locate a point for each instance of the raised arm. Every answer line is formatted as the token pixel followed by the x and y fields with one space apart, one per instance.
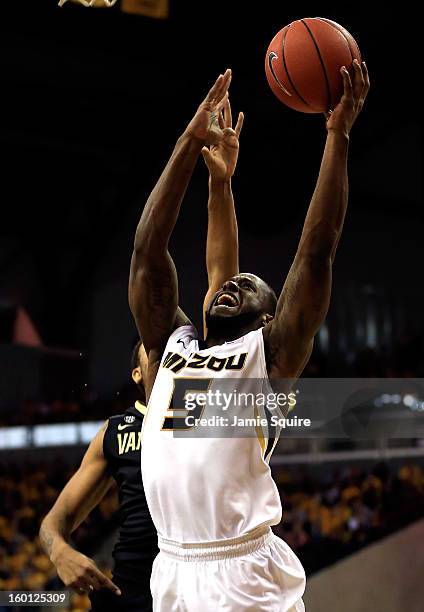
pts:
pixel 222 256
pixel 153 287
pixel 305 297
pixel 83 492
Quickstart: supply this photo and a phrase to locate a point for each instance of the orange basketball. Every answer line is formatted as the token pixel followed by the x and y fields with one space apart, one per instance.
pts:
pixel 303 63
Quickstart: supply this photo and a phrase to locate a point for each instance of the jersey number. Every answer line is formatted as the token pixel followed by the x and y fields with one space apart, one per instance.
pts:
pixel 183 402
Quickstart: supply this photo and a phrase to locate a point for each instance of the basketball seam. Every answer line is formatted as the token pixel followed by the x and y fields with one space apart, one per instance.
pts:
pixel 327 83
pixel 287 71
pixel 342 33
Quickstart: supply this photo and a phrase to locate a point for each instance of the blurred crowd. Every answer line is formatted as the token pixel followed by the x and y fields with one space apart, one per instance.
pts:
pixel 325 517
pixel 86 406
pixel 26 494
pixel 405 359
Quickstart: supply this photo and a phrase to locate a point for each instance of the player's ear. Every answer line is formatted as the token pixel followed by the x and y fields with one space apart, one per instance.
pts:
pixel 267 318
pixel 137 375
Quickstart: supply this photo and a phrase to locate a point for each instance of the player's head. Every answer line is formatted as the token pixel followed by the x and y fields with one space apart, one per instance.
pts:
pixel 244 300
pixel 139 366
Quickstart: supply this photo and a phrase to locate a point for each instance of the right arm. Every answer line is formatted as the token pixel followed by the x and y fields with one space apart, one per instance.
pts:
pixel 153 286
pixel 83 492
pixel 305 297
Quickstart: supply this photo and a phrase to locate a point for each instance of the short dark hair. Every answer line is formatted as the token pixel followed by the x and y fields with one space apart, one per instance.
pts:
pixel 135 357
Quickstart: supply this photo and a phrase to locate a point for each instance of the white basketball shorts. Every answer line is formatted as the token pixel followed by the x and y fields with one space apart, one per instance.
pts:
pixel 258 572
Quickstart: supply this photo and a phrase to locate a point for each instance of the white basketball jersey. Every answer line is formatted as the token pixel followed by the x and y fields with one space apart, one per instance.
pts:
pixel 208 488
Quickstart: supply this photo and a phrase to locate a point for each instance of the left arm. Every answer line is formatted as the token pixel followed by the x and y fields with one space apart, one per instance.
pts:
pixel 305 297
pixel 222 254
pixel 153 283
pixel 82 493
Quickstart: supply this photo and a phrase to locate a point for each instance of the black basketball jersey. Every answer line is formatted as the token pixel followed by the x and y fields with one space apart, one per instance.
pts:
pixel 136 546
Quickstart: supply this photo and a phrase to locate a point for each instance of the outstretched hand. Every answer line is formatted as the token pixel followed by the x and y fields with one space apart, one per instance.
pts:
pixel 81 573
pixel 221 158
pixel 205 125
pixel 342 118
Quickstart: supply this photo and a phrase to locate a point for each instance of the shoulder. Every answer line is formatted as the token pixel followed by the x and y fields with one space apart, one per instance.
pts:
pixel 182 334
pixel 181 319
pixel 133 415
pixel 116 423
pixel 113 421
pixel 185 333
pixel 284 358
pixel 183 338
pixel 272 349
pixel 95 450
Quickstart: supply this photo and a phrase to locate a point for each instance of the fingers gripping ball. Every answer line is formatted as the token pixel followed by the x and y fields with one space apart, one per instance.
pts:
pixel 303 62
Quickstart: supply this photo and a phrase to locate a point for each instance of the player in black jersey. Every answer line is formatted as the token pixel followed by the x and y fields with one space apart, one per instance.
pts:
pixel 114 453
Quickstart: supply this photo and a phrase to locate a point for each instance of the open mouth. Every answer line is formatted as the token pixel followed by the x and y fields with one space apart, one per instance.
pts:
pixel 227 299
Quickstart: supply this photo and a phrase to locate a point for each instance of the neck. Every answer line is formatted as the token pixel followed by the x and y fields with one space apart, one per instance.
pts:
pixel 141 396
pixel 219 334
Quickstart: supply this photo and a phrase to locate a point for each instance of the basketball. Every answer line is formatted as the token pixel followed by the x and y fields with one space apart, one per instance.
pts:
pixel 303 62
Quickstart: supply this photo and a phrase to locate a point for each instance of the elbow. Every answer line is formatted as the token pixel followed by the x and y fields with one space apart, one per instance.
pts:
pixel 319 245
pixel 142 240
pixel 48 524
pixel 44 534
pixel 148 240
pixel 317 267
pixel 146 254
pixel 144 247
pixel 139 247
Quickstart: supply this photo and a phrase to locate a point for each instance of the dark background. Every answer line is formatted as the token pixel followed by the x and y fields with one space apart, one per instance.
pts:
pixel 92 103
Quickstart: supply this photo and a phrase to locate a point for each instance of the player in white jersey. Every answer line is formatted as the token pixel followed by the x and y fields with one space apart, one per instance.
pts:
pixel 212 499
